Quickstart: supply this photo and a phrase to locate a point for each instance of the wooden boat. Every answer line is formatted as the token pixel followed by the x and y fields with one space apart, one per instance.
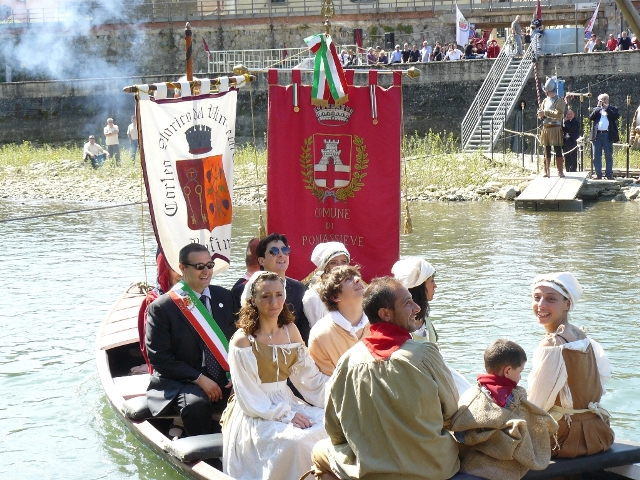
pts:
pixel 117 351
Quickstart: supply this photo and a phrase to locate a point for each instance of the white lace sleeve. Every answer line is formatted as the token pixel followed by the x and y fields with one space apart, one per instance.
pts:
pixel 547 377
pixel 246 387
pixel 306 377
pixel 313 307
pixel 604 367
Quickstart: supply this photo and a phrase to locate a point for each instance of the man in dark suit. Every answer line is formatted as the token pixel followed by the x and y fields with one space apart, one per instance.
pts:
pixel 571 130
pixel 273 256
pixel 182 378
pixel 604 133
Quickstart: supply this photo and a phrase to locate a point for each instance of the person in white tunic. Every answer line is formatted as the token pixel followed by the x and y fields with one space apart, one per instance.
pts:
pixel 569 371
pixel 325 256
pixel 267 431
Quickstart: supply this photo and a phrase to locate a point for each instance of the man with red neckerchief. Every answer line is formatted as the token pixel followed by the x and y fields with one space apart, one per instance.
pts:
pixel 390 399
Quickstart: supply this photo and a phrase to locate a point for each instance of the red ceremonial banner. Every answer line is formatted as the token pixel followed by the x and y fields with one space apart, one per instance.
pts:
pixel 333 173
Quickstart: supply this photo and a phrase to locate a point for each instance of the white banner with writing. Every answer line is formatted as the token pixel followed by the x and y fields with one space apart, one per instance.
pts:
pixel 187 146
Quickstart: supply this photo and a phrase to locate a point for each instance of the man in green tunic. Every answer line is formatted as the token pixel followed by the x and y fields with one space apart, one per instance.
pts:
pixel 390 399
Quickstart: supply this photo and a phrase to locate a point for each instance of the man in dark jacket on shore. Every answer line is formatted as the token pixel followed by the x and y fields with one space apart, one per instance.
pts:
pixel 604 133
pixel 571 130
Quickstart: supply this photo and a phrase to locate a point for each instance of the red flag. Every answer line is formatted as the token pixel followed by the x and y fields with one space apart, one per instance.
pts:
pixel 206 47
pixel 539 11
pixel 334 173
pixel 359 40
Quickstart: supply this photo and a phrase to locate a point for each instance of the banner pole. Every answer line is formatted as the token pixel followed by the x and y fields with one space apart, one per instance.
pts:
pixel 189 51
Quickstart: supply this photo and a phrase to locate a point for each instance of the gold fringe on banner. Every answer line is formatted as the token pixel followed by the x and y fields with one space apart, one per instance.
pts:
pixel 408 226
pixel 262 231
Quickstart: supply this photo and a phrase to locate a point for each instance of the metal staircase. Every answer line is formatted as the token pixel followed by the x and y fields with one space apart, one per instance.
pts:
pixel 497 97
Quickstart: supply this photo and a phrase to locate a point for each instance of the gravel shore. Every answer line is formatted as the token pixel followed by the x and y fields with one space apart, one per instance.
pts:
pixel 77 181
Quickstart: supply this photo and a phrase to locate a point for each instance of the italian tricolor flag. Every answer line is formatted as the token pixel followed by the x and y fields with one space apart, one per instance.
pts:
pixel 328 76
pixel 200 318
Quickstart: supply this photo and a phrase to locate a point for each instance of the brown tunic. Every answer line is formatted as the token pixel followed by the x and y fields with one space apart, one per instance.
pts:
pixel 587 433
pixel 552 123
pixel 269 370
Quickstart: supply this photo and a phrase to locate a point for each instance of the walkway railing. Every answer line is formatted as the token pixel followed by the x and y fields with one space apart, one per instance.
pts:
pixel 474 116
pixel 500 88
pixel 139 11
pixel 223 61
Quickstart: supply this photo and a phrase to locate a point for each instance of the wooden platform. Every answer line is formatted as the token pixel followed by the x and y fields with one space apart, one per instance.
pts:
pixel 553 193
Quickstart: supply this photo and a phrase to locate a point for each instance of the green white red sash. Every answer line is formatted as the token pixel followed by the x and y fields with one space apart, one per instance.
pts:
pixel 328 76
pixel 200 318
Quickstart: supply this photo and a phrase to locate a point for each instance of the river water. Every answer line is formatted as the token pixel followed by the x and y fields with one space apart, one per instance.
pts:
pixel 60 275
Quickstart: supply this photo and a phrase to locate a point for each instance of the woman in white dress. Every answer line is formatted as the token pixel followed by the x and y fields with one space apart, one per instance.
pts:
pixel 569 371
pixel 267 431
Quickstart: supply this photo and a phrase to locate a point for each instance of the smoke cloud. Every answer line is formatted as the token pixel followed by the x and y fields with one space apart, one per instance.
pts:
pixel 89 40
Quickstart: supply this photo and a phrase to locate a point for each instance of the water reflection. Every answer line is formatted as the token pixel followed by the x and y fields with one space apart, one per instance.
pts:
pixel 61 274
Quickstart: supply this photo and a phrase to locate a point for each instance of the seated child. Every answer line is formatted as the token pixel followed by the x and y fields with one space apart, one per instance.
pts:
pixel 502 434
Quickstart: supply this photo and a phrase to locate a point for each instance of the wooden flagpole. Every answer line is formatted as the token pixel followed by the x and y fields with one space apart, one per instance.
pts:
pixel 189 51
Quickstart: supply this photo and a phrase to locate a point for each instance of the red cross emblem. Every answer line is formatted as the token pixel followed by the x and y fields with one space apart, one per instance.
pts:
pixel 332 165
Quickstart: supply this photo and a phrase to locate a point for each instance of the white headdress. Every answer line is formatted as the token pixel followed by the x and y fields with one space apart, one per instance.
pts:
pixel 248 291
pixel 412 271
pixel 323 253
pixel 564 283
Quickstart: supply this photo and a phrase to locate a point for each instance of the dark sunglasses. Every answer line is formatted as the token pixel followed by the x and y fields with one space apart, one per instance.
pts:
pixel 275 251
pixel 202 266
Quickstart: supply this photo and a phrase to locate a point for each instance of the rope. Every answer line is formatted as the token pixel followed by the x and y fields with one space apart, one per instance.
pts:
pixel 144 246
pixel 261 229
pixel 535 68
pixel 44 215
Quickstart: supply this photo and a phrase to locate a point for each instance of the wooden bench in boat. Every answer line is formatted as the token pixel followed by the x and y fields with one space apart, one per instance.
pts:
pixel 188 449
pixel 621 454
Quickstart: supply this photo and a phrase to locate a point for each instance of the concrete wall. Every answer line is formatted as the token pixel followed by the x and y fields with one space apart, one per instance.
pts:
pixel 438 100
pixel 43 51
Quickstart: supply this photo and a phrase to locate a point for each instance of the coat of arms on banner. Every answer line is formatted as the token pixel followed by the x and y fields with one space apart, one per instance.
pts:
pixel 334 165
pixel 204 186
pixel 187 150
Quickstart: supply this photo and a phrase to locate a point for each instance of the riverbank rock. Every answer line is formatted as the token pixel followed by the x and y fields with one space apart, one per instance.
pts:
pixel 508 192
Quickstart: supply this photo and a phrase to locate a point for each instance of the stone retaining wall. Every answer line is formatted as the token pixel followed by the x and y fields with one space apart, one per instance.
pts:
pixel 438 100
pixel 56 50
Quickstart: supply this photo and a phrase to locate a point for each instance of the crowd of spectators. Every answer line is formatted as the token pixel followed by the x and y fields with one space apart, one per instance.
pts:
pixel 439 52
pixel 470 51
pixel 621 43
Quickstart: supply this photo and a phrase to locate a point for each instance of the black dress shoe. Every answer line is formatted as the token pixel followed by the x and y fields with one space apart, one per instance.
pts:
pixel 610 178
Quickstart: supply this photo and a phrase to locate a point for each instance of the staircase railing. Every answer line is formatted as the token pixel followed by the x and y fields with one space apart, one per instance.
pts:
pixel 474 115
pixel 508 102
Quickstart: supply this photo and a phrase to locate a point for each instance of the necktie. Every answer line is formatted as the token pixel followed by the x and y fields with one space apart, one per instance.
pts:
pixel 213 367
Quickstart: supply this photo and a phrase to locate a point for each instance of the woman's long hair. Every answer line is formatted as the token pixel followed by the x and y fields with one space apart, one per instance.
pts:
pixel 419 295
pixel 249 317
